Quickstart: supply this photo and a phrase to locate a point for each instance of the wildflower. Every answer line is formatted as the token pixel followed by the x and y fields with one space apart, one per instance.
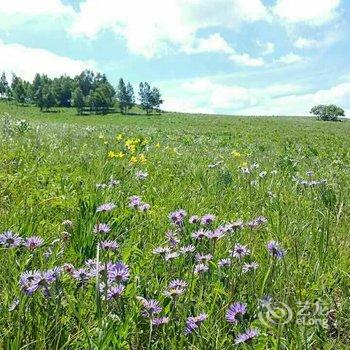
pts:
pixel 144 207
pixel 112 182
pixel 240 251
pixel 111 155
pixel 247 336
pixel 177 217
pixel 257 222
pixel 159 321
pixel 224 262
pixel 235 311
pixel 114 292
pixel 275 249
pixel 171 256
pixel 203 258
pixel 107 207
pixel 158 145
pixel 142 159
pixel 33 242
pixel 193 323
pixel 216 234
pixel 262 174
pixel 82 275
pixel 235 154
pixel 33 281
pixel 200 268
pixel 109 245
pixel 13 305
pixel 141 175
pixel 102 228
pixel 187 249
pixel 67 223
pixel 8 239
pixel 118 272
pixel 250 266
pixel 194 219
pixel 135 202
pixel 200 234
pixel 133 160
pixel 161 250
pixel 177 283
pixel 119 137
pixel 172 239
pixel 150 307
pixel 207 219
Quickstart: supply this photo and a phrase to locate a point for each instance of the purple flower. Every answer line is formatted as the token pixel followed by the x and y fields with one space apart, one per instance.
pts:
pixel 177 217
pixel 235 311
pixel 217 234
pixel 26 281
pixel 33 242
pixel 176 287
pixel 144 207
pixel 234 226
pixel 8 239
pixel 102 228
pixel 150 307
pixel 200 234
pixel 203 258
pixel 187 249
pixel 114 292
pixel 172 239
pixel 107 207
pixel 177 283
pixel 161 250
pixel 31 281
pixel 257 222
pixel 250 266
pixel 207 219
pixel 194 219
pixel 118 272
pixel 200 268
pixel 82 275
pixel 134 202
pixel 193 323
pixel 240 251
pixel 109 245
pixel 247 336
pixel 171 256
pixel 275 249
pixel 159 321
pixel 224 263
pixel 141 175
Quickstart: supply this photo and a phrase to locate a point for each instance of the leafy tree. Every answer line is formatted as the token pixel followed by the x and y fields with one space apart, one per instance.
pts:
pixel 4 86
pixel 327 112
pixel 78 100
pixel 149 98
pixel 156 98
pixel 18 89
pixel 102 98
pixel 48 97
pixel 63 87
pixel 122 96
pixel 86 81
pixel 130 96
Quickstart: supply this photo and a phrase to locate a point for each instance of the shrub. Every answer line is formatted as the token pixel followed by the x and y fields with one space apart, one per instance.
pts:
pixel 327 112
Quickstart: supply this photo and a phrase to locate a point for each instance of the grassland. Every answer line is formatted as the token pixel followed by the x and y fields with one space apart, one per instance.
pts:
pixel 231 167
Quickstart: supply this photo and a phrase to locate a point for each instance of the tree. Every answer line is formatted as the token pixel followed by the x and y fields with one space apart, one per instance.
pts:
pixel 86 81
pixel 156 98
pixel 4 86
pixel 149 98
pixel 18 89
pixel 48 97
pixel 102 98
pixel 122 96
pixel 327 112
pixel 130 96
pixel 78 100
pixel 63 87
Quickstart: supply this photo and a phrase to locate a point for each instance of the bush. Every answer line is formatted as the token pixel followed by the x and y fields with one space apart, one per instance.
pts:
pixel 327 112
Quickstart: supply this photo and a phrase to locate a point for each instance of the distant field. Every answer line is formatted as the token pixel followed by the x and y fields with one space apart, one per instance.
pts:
pixel 293 172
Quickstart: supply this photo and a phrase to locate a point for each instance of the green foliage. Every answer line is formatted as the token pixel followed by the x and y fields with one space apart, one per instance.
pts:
pixel 78 100
pixel 150 98
pixel 327 112
pixel 51 165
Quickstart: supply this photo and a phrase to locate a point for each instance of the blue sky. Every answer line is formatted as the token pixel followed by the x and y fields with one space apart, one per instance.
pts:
pixel 214 56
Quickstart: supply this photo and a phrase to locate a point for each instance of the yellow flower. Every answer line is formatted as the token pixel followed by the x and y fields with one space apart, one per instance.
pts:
pixel 133 160
pixel 142 159
pixel 158 145
pixel 101 136
pixel 235 154
pixel 119 137
pixel 105 142
pixel 111 155
pixel 243 164
pixel 120 155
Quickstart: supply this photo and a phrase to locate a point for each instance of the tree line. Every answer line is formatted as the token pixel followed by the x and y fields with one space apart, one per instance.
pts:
pixel 88 92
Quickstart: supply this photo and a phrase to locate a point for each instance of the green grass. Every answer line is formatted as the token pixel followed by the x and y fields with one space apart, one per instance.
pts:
pixel 49 174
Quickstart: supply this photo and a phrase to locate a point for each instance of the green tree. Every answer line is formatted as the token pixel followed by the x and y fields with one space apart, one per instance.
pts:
pixel 156 98
pixel 18 89
pixel 327 112
pixel 122 96
pixel 130 96
pixel 86 81
pixel 4 86
pixel 48 98
pixel 145 97
pixel 102 98
pixel 78 100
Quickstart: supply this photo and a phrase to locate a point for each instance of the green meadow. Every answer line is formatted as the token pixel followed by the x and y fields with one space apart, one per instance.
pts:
pixel 283 180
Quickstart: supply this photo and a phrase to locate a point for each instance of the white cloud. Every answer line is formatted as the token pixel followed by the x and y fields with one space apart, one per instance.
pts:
pixel 328 39
pixel 205 95
pixel 156 26
pixel 305 43
pixel 25 62
pixel 246 60
pixel 289 59
pixel 15 12
pixel 312 12
pixel 267 48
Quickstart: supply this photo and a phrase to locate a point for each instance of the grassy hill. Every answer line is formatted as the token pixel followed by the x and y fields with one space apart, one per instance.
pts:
pixel 287 179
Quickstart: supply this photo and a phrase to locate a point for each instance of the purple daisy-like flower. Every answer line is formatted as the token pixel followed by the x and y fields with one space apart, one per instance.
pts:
pixel 140 175
pixel 194 219
pixel 81 275
pixel 31 281
pixel 203 258
pixel 234 226
pixel 150 307
pixel 68 223
pixel 207 219
pixel 26 281
pixel 177 217
pixel 193 323
pixel 172 238
pixel 114 292
pixel 247 336
pixel 160 321
pixel 109 245
pixel 161 251
pixel 275 249
pixel 240 251
pixel 257 222
pixel 33 242
pixel 171 256
pixel 177 283
pixel 8 239
pixel 118 272
pixel 105 208
pixel 235 311
pixel 187 249
pixel 225 262
pixel 200 268
pixel 200 234
pixel 102 228
pixel 134 202
pixel 144 207
pixel 216 234
pixel 250 266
